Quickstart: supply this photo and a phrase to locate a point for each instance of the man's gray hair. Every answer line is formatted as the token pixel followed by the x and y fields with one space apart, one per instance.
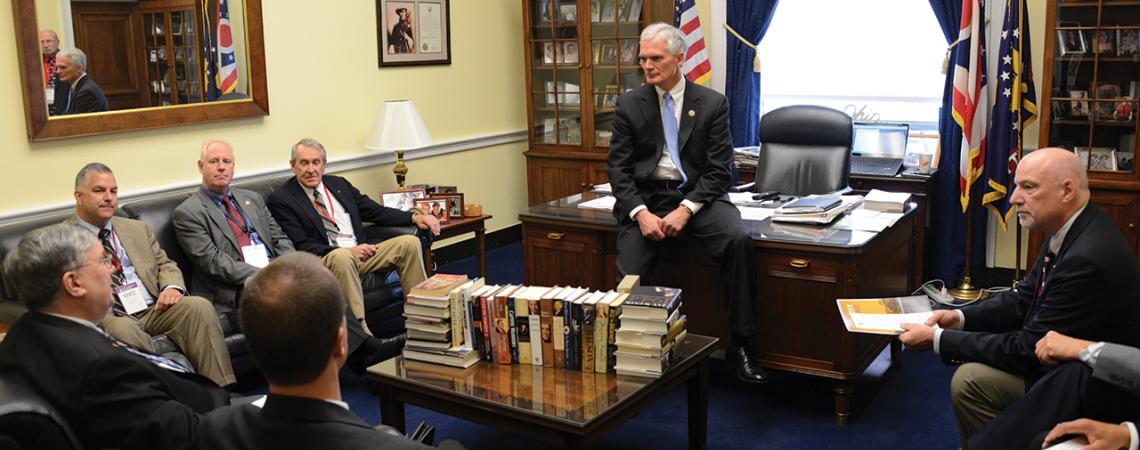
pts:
pixel 311 143
pixel 34 270
pixel 75 55
pixel 674 39
pixel 81 177
pixel 206 146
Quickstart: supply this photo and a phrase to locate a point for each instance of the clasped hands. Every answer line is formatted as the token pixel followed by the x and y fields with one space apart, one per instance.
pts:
pixel 657 228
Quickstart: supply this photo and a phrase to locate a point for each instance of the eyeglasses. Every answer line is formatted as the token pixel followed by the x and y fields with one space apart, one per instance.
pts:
pixel 106 260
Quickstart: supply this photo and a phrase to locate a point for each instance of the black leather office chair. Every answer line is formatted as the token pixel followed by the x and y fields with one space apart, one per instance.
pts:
pixel 27 421
pixel 804 149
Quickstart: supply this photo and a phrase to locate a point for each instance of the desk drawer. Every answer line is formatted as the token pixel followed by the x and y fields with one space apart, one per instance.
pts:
pixel 562 256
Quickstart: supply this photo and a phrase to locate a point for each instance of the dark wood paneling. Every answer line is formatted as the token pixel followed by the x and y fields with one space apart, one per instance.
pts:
pixel 110 34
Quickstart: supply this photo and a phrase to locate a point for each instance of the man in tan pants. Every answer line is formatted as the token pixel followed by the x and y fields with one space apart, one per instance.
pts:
pixel 149 290
pixel 323 215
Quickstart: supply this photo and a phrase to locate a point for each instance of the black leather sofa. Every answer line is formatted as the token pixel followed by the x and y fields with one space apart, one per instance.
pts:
pixel 383 296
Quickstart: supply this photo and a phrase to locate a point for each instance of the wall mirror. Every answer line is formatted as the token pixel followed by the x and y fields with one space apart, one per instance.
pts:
pixel 160 63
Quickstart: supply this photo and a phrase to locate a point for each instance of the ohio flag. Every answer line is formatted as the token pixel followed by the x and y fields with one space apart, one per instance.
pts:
pixel 971 104
pixel 227 72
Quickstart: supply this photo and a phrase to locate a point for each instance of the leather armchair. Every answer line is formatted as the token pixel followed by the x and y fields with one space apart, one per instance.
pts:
pixel 804 149
pixel 27 421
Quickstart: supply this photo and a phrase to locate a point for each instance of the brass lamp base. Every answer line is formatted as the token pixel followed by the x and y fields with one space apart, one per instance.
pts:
pixel 400 169
pixel 966 291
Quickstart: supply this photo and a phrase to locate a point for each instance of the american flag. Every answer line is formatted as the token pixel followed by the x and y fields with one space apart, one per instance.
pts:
pixel 696 67
pixel 227 74
pixel 970 100
pixel 1014 108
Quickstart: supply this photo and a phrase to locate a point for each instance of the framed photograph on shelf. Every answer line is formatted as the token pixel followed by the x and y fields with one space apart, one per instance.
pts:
pixel 454 204
pixel 1125 161
pixel 413 32
pixel 570 52
pixel 1105 42
pixel 567 12
pixel 547 53
pixel 1079 105
pixel 1060 109
pixel 1106 91
pixel 402 199
pixel 609 53
pixel 634 13
pixel 1103 159
pixel 1127 42
pixel 434 206
pixel 608 10
pixel 629 51
pixel 595 11
pixel 1071 42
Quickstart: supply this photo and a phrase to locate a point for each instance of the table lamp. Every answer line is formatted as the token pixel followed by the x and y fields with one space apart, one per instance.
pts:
pixel 398 128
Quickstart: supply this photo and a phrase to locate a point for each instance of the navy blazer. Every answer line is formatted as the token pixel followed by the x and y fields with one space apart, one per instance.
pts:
pixel 1092 293
pixel 110 397
pixel 87 97
pixel 703 137
pixel 293 422
pixel 299 219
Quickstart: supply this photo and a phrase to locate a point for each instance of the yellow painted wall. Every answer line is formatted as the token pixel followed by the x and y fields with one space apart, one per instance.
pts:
pixel 323 83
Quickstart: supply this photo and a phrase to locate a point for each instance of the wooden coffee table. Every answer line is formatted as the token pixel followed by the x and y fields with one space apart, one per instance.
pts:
pixel 560 406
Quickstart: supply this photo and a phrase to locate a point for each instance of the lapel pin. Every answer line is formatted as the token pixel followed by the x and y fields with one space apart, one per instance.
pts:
pixel 692 113
pixel 247 203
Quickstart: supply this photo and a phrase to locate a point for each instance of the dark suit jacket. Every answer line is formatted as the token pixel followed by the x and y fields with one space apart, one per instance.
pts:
pixel 1092 293
pixel 293 422
pixel 87 97
pixel 110 397
pixel 638 139
pixel 301 222
pixel 205 235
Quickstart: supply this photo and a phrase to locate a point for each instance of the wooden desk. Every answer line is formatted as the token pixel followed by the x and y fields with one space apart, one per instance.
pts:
pixel 560 406
pixel 799 276
pixel 459 227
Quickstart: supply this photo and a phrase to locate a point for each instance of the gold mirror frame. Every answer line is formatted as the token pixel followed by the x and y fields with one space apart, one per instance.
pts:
pixel 40 128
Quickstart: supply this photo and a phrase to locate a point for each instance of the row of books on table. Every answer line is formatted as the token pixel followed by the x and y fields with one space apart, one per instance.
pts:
pixel 634 330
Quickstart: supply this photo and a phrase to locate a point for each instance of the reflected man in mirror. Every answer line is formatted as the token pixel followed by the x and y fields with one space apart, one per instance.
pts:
pixel 49 46
pixel 84 96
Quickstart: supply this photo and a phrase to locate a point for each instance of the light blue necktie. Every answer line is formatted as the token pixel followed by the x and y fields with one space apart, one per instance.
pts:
pixel 160 361
pixel 669 122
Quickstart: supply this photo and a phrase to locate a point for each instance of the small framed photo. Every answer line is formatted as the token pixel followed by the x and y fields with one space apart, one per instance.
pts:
pixel 1128 42
pixel 402 199
pixel 454 204
pixel 1103 159
pixel 434 206
pixel 608 54
pixel 547 53
pixel 1125 161
pixel 1105 41
pixel 629 51
pixel 569 53
pixel 446 189
pixel 413 32
pixel 610 99
pixel 1079 106
pixel 1082 156
pixel 609 11
pixel 567 12
pixel 1106 91
pixel 1072 42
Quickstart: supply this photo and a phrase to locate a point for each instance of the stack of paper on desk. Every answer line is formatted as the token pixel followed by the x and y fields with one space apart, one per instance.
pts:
pixel 877 200
pixel 820 217
pixel 606 203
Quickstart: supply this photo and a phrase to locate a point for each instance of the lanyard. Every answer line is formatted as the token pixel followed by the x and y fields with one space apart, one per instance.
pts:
pixel 242 224
pixel 331 210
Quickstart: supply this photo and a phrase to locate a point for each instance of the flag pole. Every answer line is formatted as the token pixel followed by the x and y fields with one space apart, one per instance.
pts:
pixel 966 291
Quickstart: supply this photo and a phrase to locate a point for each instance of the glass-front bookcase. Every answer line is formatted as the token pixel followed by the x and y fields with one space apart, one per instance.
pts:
pixel 1089 100
pixel 172 51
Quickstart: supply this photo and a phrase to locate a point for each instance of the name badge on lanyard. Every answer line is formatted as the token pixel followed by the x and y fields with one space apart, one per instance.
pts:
pixel 255 255
pixel 131 297
pixel 344 240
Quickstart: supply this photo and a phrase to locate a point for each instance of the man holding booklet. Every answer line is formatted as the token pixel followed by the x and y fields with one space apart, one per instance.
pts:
pixel 1085 284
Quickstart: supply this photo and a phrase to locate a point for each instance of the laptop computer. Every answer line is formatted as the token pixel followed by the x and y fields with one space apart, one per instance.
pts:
pixel 878 148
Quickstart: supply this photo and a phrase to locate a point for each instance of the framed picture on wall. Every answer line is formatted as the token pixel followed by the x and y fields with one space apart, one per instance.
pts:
pixel 413 32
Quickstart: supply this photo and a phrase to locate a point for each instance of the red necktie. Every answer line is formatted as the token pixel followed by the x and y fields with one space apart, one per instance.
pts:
pixel 1045 268
pixel 233 217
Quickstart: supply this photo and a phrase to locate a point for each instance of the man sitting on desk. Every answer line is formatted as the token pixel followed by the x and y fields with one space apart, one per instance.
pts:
pixel 668 164
pixel 1085 284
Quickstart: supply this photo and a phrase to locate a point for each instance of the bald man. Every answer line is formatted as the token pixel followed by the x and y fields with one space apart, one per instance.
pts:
pixel 1085 283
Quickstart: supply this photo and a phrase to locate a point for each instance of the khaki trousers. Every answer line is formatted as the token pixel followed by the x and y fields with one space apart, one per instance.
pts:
pixel 192 325
pixel 979 393
pixel 402 253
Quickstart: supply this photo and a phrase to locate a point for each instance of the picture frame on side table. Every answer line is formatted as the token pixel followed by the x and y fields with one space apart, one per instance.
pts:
pixel 413 32
pixel 434 206
pixel 454 204
pixel 402 199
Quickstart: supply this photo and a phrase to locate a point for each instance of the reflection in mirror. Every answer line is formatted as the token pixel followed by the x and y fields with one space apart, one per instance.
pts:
pixel 144 53
pixel 153 63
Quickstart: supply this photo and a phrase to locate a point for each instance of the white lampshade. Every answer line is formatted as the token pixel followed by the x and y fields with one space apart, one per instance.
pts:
pixel 398 127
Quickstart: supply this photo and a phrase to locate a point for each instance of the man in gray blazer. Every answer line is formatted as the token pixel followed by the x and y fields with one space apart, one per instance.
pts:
pixel 1097 380
pixel 229 235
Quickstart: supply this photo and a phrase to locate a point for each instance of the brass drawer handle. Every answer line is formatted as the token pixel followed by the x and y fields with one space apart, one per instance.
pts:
pixel 555 236
pixel 799 263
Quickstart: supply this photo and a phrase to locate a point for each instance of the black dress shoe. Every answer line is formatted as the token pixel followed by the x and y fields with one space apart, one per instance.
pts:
pixel 374 350
pixel 746 369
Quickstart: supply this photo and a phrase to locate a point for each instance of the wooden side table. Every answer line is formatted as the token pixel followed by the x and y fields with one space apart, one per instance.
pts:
pixel 459 227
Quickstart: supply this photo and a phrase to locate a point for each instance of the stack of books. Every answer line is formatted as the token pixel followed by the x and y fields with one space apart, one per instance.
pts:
pixel 816 209
pixel 651 333
pixel 433 313
pixel 883 201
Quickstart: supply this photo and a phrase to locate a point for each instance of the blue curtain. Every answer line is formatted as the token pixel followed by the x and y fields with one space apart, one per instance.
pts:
pixel 750 18
pixel 946 241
